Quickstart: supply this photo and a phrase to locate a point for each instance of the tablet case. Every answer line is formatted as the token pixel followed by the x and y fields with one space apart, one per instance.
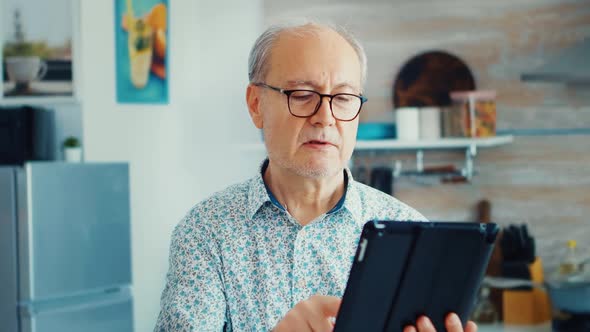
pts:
pixel 404 269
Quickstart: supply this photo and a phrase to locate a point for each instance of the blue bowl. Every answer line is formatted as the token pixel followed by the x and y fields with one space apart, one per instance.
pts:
pixel 375 130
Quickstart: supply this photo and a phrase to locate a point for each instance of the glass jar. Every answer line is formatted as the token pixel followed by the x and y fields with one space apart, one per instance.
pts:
pixel 140 52
pixel 473 113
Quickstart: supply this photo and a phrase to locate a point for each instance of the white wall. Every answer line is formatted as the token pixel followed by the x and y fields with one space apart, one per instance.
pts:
pixel 182 152
pixel 68 122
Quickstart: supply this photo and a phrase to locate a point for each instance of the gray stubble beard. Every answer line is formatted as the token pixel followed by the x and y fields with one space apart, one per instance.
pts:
pixel 302 171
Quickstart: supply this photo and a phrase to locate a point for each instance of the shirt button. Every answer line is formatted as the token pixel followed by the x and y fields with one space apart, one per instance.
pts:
pixel 301 284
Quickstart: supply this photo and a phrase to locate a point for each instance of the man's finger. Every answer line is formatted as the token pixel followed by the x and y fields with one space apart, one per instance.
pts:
pixel 329 305
pixel 320 325
pixel 315 319
pixel 453 323
pixel 425 325
pixel 471 327
pixel 409 328
pixel 293 321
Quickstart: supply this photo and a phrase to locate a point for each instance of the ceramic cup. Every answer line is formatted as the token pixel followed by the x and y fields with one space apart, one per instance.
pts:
pixel 25 69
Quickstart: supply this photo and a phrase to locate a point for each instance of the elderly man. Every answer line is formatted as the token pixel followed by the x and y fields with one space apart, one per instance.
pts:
pixel 274 252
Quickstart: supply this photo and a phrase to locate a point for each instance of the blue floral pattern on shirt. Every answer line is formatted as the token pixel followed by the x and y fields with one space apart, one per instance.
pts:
pixel 241 262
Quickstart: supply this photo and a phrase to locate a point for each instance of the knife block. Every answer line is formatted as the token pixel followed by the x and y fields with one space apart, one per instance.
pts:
pixel 524 307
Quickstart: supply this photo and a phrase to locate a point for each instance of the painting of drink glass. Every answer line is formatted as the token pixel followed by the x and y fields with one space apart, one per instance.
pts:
pixel 37 60
pixel 141 50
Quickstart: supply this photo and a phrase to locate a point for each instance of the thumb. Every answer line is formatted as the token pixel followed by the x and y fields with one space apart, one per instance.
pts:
pixel 328 304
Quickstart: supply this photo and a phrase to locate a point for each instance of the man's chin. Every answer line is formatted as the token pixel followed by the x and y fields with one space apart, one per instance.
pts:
pixel 313 168
pixel 318 171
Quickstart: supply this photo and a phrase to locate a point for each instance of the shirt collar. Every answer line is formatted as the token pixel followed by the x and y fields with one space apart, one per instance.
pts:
pixel 352 201
pixel 259 194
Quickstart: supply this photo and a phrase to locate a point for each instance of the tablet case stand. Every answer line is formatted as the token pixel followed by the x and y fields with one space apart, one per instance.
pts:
pixel 402 270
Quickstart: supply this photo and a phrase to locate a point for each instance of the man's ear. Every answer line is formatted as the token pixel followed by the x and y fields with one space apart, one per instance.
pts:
pixel 253 101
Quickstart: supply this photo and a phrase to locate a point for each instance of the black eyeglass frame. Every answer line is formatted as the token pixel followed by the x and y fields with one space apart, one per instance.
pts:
pixel 322 96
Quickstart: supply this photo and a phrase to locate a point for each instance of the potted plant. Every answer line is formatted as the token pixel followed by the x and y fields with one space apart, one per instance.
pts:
pixel 72 149
pixel 24 58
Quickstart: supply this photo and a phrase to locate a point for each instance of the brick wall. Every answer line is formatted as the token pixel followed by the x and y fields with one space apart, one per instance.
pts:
pixel 541 180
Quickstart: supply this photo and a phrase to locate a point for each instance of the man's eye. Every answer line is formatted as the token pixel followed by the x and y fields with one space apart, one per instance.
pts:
pixel 302 96
pixel 343 98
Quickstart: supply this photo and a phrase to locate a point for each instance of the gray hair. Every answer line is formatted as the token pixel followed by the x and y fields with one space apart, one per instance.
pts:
pixel 260 53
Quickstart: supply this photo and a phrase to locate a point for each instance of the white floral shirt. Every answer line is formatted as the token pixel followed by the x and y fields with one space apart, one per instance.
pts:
pixel 239 261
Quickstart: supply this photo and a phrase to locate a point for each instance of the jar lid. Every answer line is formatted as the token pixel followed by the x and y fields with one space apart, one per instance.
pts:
pixel 475 94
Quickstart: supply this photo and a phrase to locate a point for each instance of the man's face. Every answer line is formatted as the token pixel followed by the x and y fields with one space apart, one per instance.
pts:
pixel 320 145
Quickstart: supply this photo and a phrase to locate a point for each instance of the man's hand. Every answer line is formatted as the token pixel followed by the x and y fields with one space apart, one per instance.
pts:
pixel 452 323
pixel 312 314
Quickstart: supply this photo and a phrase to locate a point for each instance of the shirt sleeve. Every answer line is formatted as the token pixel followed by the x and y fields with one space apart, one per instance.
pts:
pixel 193 298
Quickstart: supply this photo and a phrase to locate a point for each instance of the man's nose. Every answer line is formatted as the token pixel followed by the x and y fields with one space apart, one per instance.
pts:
pixel 323 117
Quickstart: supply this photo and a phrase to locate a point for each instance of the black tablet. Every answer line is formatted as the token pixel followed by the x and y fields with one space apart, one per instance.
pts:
pixel 404 269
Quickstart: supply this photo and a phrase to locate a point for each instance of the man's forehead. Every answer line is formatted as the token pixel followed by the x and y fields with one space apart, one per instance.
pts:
pixel 308 59
pixel 291 39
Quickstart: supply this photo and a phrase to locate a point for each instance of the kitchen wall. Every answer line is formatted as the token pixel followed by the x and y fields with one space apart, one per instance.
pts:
pixel 178 153
pixel 541 180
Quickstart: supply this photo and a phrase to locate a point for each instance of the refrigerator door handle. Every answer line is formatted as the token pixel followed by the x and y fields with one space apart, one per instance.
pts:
pixel 73 303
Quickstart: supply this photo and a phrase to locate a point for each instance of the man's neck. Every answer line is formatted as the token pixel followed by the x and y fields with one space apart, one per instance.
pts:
pixel 305 199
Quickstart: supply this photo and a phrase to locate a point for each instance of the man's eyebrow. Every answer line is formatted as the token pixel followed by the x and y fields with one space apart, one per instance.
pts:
pixel 315 85
pixel 294 83
pixel 346 85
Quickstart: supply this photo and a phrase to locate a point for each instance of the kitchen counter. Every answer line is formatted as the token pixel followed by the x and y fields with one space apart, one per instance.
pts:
pixel 514 328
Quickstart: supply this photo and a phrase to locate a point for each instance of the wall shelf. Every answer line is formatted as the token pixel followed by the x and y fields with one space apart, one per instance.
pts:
pixel 39 101
pixel 439 144
pixel 470 145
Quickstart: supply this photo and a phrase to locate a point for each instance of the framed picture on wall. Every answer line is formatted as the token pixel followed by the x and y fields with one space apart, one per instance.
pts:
pixel 38 49
pixel 141 35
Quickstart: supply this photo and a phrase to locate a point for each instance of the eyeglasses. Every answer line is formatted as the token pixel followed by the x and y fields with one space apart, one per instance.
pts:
pixel 306 103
